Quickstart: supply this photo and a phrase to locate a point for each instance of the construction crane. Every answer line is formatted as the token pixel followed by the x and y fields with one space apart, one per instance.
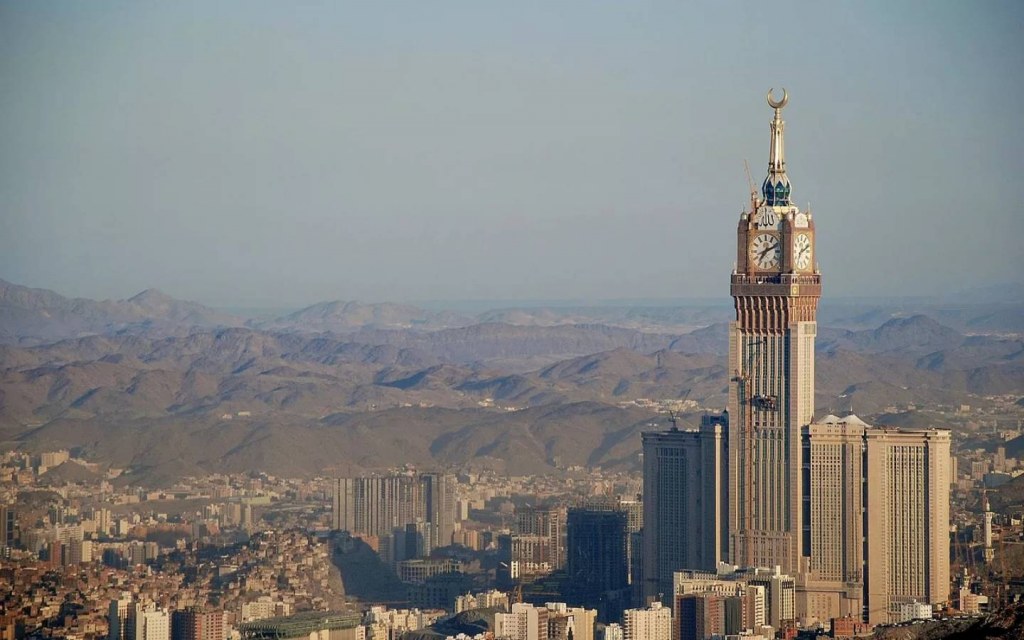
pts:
pixel 750 183
pixel 673 415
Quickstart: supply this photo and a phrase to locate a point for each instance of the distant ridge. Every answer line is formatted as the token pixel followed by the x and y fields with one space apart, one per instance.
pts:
pixel 34 316
pixel 344 316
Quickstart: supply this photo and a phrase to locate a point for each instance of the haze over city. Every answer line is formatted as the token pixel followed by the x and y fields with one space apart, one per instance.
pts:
pixel 266 154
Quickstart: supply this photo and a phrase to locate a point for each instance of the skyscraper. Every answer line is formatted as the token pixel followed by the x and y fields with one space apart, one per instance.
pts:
pixel 877 514
pixel 849 519
pixel 376 505
pixel 343 505
pixel 120 626
pixel 597 564
pixel 775 287
pixel 547 522
pixel 685 503
pixel 833 574
pixel 8 526
pixel 438 497
pixel 907 520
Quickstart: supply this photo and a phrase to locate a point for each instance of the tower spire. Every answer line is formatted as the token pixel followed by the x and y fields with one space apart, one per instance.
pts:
pixel 776 187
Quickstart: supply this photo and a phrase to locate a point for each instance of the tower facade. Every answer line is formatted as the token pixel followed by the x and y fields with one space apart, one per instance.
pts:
pixel 775 288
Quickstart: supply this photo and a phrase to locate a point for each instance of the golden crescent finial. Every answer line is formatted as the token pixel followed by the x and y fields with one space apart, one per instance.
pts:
pixel 780 103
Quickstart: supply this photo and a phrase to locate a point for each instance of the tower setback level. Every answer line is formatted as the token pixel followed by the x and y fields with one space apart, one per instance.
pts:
pixel 775 289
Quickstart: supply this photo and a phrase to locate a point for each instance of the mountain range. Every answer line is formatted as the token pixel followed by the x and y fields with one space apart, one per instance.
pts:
pixel 169 387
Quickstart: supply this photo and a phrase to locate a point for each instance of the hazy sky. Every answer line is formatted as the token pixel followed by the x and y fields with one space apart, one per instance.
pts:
pixel 278 154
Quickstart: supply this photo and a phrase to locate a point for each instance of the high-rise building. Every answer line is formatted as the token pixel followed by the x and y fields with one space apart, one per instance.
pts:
pixel 597 564
pixel 522 556
pixel 79 552
pixel 417 539
pixel 876 520
pixel 832 578
pixel 907 520
pixel 438 496
pixel 343 504
pixel 118 625
pixel 547 522
pixel 8 526
pixel 684 503
pixel 775 287
pixel 376 505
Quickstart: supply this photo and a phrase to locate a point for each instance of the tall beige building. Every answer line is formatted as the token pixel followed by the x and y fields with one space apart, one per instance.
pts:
pixel 907 522
pixel 877 510
pixel 832 577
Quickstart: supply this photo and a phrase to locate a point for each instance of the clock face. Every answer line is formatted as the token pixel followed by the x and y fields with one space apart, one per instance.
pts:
pixel 765 251
pixel 802 251
pixel 767 218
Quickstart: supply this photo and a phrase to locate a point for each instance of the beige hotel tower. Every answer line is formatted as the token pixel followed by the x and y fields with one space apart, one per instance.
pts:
pixel 859 515
pixel 877 509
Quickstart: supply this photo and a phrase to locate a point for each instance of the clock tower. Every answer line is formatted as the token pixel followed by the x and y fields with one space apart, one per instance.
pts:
pixel 775 287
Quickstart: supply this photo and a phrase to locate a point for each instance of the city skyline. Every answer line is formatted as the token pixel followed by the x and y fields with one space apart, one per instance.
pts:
pixel 265 157
pixel 594 472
